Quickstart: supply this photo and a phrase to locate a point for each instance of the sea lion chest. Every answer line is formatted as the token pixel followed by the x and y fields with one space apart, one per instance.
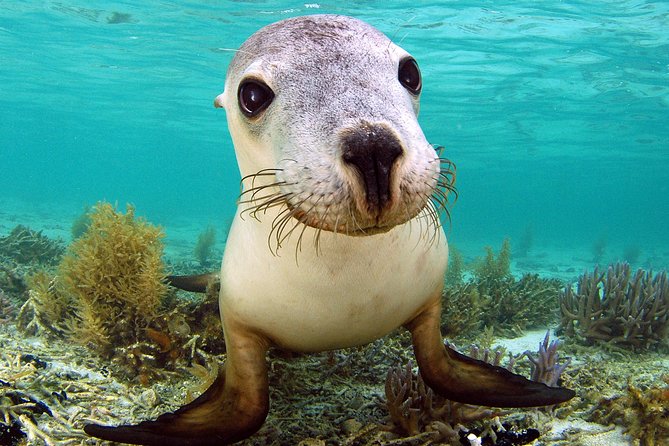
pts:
pixel 349 291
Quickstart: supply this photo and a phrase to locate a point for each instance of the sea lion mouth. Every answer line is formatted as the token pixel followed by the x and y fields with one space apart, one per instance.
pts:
pixel 316 222
pixel 293 212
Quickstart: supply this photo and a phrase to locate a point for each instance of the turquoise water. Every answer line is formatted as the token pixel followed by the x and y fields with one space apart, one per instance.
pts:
pixel 556 114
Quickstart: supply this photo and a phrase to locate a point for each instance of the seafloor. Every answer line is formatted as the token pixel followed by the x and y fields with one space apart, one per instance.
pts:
pixel 50 387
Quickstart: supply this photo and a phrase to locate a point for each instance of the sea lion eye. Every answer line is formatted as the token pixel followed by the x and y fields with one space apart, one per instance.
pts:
pixel 254 96
pixel 409 75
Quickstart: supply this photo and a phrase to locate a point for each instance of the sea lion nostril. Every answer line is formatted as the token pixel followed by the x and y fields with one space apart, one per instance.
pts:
pixel 372 150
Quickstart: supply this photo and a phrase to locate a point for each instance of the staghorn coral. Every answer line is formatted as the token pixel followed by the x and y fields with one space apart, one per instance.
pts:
pixel 490 270
pixel 455 272
pixel 46 311
pixel 414 408
pixel 25 246
pixel 493 357
pixel 6 308
pixel 545 366
pixel 417 411
pixel 505 304
pixel 616 307
pixel 494 298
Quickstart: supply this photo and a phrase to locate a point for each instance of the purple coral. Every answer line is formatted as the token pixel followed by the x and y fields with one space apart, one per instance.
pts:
pixel 545 367
pixel 618 307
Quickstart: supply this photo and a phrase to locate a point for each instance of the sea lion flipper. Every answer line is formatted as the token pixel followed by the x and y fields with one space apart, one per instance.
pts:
pixel 231 409
pixel 476 382
pixel 195 419
pixel 197 283
pixel 463 379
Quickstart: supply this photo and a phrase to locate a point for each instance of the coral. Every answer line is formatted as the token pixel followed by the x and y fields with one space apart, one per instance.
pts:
pixel 616 307
pixel 205 245
pixel 114 274
pixel 414 408
pixel 493 357
pixel 512 306
pixel 109 285
pixel 490 269
pixel 46 311
pixel 12 278
pixel 454 273
pixel 503 303
pixel 417 411
pixel 6 308
pixel 461 316
pixel 644 413
pixel 81 223
pixel 17 410
pixel 27 246
pixel 494 298
pixel 545 366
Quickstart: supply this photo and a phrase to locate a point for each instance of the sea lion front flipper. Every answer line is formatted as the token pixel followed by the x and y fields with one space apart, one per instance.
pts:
pixel 231 409
pixel 197 283
pixel 466 380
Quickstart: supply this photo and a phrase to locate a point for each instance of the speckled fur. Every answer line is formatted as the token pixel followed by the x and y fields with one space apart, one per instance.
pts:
pixel 331 74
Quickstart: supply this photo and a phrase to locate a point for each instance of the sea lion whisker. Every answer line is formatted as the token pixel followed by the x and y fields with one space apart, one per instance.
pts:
pixel 319 230
pixel 270 202
pixel 252 189
pixel 356 224
pixel 435 223
pixel 424 218
pixel 389 275
pixel 296 209
pixel 261 173
pixel 302 219
pixel 278 220
pixel 265 207
pixel 258 200
pixel 298 244
pixel 446 180
pixel 439 198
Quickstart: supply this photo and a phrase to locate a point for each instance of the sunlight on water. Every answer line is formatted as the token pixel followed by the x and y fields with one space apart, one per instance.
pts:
pixel 557 116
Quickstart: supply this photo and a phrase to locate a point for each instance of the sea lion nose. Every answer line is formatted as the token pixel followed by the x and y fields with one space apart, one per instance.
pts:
pixel 372 150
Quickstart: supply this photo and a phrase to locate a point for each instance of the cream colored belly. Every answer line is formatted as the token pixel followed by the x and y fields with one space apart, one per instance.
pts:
pixel 355 290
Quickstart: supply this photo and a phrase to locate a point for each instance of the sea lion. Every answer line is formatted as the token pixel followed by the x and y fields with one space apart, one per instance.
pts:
pixel 336 241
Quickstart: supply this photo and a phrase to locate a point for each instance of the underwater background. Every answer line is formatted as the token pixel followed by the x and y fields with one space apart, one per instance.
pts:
pixel 556 115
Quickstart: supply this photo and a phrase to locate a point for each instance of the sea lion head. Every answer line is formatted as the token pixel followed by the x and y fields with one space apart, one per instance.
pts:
pixel 323 113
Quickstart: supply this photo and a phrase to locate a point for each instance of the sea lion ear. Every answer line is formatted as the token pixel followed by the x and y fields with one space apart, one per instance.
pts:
pixel 198 283
pixel 219 101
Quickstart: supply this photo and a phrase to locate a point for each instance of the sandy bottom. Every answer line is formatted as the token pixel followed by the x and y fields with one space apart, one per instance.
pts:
pixel 327 400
